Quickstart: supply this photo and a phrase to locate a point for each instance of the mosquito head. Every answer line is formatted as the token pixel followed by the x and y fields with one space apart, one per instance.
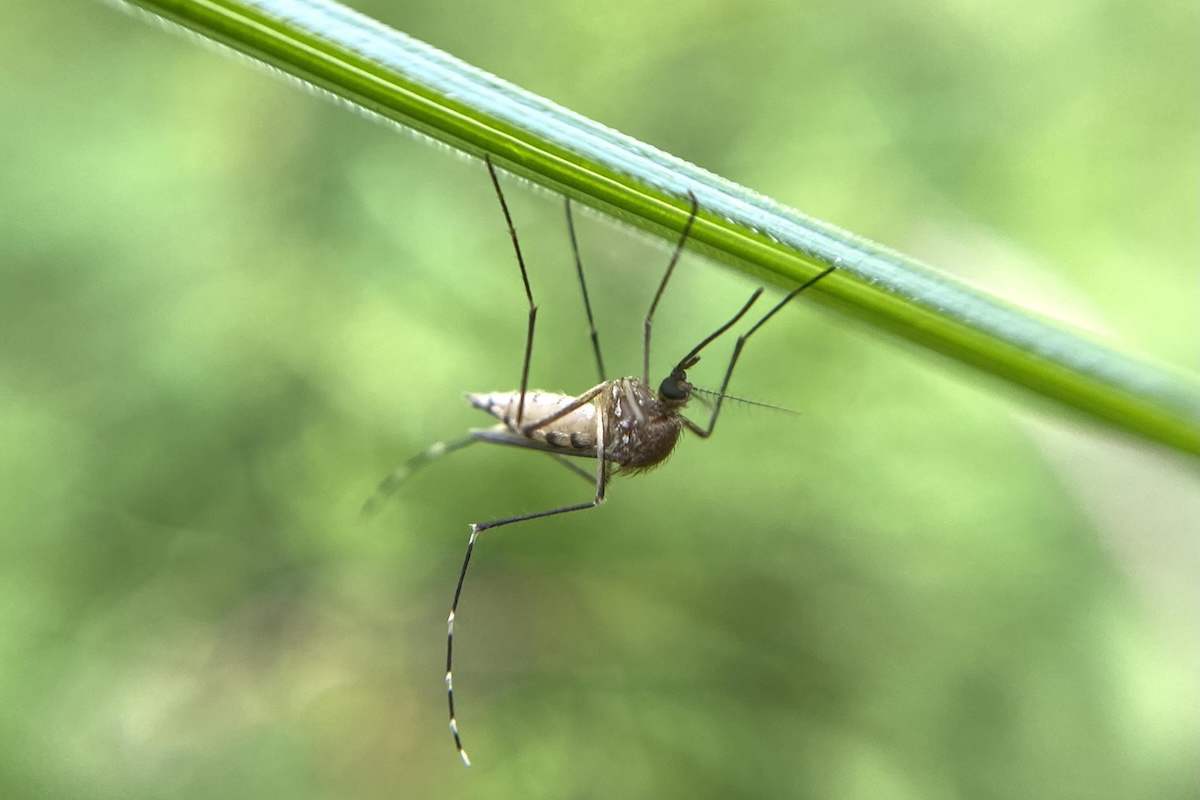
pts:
pixel 675 390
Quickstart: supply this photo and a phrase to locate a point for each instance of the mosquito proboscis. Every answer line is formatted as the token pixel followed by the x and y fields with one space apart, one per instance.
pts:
pixel 623 424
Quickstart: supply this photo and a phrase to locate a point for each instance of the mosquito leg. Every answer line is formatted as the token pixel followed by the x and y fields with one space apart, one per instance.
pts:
pixel 512 232
pixel 587 304
pixel 649 322
pixel 704 433
pixel 388 486
pixel 478 528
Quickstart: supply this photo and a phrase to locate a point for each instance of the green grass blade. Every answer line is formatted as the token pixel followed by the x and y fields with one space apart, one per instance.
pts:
pixel 365 63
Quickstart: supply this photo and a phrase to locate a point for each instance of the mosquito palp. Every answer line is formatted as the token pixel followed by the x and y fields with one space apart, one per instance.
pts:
pixel 623 424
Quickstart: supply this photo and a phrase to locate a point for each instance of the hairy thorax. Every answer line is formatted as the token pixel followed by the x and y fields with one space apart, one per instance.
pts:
pixel 640 433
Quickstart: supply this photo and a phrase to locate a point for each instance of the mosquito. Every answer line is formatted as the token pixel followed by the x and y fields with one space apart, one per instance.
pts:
pixel 623 424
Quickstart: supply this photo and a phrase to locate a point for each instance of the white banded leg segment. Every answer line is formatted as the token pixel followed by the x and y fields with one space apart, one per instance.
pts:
pixel 476 530
pixel 450 647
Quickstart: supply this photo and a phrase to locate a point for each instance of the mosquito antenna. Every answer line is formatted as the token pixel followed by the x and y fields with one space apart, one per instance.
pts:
pixel 687 229
pixel 587 305
pixel 741 342
pixel 708 397
pixel 512 231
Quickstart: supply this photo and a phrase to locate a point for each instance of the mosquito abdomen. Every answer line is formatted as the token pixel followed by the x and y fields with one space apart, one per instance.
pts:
pixel 573 431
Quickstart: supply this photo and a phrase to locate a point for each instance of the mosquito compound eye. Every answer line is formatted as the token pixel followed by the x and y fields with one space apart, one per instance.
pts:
pixel 672 388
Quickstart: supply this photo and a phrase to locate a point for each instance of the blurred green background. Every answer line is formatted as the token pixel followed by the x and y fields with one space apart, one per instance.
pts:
pixel 228 308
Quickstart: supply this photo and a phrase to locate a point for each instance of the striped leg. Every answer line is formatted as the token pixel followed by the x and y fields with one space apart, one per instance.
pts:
pixel 478 528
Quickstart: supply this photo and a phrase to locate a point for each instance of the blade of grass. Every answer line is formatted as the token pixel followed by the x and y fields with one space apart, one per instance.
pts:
pixel 362 62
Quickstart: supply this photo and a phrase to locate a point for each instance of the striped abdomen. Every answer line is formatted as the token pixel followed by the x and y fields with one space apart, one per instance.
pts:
pixel 574 431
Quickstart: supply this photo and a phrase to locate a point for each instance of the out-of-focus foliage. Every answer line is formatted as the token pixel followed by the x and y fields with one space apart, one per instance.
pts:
pixel 227 308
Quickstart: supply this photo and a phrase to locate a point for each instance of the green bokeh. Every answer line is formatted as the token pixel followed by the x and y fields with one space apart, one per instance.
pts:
pixel 227 308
